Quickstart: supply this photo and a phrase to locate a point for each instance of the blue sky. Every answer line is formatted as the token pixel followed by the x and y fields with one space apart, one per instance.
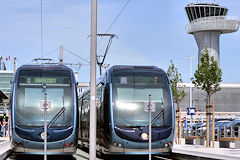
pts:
pixel 149 33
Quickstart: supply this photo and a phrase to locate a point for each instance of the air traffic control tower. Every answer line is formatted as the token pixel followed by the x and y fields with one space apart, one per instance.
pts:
pixel 207 22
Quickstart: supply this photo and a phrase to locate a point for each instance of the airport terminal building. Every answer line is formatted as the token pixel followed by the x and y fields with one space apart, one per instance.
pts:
pixel 5 91
pixel 227 100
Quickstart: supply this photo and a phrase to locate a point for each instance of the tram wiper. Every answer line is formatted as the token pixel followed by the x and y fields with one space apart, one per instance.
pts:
pixel 158 115
pixel 57 115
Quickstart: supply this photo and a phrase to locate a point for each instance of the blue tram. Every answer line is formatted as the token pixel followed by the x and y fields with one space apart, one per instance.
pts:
pixel 122 122
pixel 30 84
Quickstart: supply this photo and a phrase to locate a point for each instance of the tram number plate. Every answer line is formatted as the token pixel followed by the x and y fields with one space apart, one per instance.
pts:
pixel 48 105
pixel 152 106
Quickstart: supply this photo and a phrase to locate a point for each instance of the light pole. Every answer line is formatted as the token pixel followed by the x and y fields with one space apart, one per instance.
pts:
pixel 190 87
pixel 92 147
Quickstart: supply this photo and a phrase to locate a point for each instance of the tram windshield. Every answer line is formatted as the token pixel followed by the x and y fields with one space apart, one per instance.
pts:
pixel 32 86
pixel 131 92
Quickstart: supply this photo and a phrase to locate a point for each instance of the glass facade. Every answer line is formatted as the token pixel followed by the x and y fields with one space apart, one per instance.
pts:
pixel 5 86
pixel 5 81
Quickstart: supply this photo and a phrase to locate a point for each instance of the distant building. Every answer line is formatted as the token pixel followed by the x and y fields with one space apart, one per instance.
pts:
pixel 5 88
pixel 227 101
pixel 82 86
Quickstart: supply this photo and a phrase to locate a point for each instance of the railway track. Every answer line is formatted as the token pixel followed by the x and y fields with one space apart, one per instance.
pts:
pixel 81 155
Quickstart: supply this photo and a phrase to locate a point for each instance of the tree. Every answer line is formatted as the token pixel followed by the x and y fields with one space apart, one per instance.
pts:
pixel 175 78
pixel 208 77
pixel 178 94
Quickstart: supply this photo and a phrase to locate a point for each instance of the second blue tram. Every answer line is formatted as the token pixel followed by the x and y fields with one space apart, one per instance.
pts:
pixel 122 119
pixel 30 84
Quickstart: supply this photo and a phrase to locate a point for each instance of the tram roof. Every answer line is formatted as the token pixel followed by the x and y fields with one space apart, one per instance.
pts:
pixel 129 67
pixel 52 67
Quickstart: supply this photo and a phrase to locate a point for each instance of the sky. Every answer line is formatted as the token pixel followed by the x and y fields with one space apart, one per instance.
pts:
pixel 148 33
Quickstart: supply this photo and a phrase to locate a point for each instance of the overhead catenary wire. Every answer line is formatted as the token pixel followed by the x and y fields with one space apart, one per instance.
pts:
pixel 100 63
pixel 108 29
pixel 119 14
pixel 53 51
pixel 76 55
pixel 48 53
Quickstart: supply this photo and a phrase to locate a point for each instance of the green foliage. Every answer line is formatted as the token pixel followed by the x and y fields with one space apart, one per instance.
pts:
pixel 175 77
pixel 208 75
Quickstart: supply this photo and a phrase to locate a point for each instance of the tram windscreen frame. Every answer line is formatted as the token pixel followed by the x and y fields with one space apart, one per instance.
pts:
pixel 31 87
pixel 131 90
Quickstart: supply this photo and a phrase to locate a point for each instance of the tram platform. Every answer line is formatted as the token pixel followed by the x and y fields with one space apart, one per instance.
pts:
pixel 5 148
pixel 213 153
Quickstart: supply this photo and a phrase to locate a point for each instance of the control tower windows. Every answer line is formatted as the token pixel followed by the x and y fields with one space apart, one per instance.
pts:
pixel 217 12
pixel 225 12
pixel 189 14
pixel 207 11
pixel 212 11
pixel 221 12
pixel 198 12
pixel 193 12
pixel 202 11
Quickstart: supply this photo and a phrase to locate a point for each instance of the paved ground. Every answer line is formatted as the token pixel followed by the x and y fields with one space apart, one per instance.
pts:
pixel 202 151
pixel 4 147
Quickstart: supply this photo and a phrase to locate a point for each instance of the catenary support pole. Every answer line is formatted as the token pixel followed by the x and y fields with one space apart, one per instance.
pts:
pixel 92 149
pixel 190 87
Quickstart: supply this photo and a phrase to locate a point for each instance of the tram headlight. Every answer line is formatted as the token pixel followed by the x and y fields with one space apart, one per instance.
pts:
pixel 144 136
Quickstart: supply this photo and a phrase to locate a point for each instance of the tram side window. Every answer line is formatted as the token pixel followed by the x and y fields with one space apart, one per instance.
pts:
pixel 99 101
pixel 80 106
pixel 99 96
pixel 99 107
pixel 106 106
pixel 85 107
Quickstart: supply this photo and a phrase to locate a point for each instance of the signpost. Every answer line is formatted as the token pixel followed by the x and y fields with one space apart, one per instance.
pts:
pixel 191 111
pixel 150 127
pixel 149 107
pixel 45 106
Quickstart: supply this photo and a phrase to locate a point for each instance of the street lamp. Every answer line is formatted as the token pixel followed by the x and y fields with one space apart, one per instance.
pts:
pixel 190 87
